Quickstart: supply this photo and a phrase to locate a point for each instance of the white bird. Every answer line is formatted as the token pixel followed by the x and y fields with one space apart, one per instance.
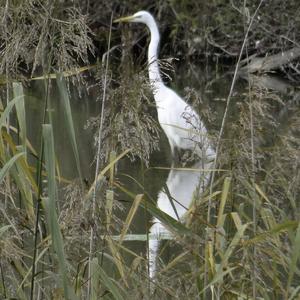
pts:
pixel 180 122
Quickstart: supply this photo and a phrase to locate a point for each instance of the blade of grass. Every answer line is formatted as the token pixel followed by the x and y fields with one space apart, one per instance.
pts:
pixel 11 223
pixel 9 164
pixel 220 240
pixel 224 196
pixel 103 172
pixel 112 157
pixel 234 242
pixel 62 87
pixel 172 264
pixel 279 228
pixel 20 108
pixel 209 255
pixel 24 185
pixel 20 293
pixel 51 213
pixel 295 293
pixel 67 73
pixel 117 259
pixel 95 279
pixel 218 277
pixel 22 177
pixel 109 207
pixel 236 219
pixel 26 276
pixel 170 222
pixel 28 144
pixel 294 259
pixel 263 195
pixel 26 168
pixel 130 215
pixel 171 199
pixel 7 110
pixel 110 193
pixel 39 170
pixel 4 228
pixel 110 284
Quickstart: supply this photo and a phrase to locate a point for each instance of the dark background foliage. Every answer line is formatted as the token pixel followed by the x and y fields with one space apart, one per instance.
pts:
pixel 63 34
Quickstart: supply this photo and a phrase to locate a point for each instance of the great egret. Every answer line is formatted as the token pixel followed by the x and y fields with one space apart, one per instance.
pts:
pixel 180 122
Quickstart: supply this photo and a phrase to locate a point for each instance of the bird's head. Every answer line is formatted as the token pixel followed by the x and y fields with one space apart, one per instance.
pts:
pixel 139 17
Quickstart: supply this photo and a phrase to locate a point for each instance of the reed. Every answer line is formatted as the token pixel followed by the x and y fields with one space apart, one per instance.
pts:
pixel 72 239
pixel 228 252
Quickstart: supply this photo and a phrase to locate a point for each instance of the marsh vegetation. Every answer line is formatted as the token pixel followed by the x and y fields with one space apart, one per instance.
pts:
pixel 86 169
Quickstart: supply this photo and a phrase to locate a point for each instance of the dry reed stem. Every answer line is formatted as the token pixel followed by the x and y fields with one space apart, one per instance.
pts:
pixel 210 210
pixel 98 158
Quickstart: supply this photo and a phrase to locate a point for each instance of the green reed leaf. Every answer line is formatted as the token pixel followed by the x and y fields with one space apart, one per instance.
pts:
pixel 62 87
pixel 9 164
pixel 51 212
pixel 20 108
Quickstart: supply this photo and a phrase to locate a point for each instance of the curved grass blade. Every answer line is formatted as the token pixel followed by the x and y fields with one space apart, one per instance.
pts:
pixel 7 110
pixel 109 283
pixel 62 87
pixel 277 229
pixel 234 242
pixel 102 173
pixel 23 179
pixel 130 216
pixel 25 278
pixel 224 197
pixel 217 278
pixel 4 228
pixel 295 293
pixel 117 259
pixel 167 220
pixel 9 164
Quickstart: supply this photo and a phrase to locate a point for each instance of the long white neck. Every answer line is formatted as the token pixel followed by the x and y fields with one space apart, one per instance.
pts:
pixel 153 67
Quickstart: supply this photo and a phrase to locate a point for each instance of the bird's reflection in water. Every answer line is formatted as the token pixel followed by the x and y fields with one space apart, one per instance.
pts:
pixel 181 184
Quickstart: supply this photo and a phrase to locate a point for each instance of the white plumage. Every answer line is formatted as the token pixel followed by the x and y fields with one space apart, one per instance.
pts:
pixel 179 121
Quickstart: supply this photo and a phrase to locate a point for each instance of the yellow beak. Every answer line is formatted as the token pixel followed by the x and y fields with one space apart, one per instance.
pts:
pixel 124 19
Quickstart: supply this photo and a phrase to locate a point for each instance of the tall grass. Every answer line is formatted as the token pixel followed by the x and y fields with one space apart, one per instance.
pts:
pixel 117 271
pixel 46 223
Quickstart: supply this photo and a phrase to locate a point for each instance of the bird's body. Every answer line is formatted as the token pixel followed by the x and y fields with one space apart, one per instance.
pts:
pixel 178 119
pixel 174 122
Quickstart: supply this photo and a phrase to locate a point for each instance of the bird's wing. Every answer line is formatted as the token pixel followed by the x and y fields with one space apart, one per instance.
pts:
pixel 184 119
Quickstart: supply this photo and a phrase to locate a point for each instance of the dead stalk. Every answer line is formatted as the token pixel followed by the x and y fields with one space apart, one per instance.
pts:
pixel 98 157
pixel 210 211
